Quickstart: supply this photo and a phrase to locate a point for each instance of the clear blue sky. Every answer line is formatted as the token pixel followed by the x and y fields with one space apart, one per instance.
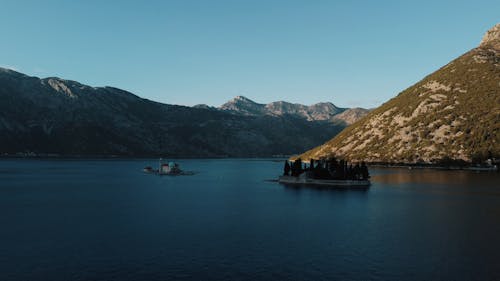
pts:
pixel 352 53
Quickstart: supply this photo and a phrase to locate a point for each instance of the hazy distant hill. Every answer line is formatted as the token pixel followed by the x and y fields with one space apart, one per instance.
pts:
pixel 54 115
pixel 454 113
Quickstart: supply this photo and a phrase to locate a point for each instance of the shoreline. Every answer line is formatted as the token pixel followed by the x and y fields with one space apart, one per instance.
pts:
pixel 125 157
pixel 48 156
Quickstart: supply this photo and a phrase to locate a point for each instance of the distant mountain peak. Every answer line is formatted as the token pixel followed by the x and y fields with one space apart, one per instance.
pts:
pixel 243 105
pixel 491 38
pixel 241 98
pixel 322 111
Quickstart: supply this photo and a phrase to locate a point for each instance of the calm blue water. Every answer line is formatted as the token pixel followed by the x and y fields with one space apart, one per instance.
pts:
pixel 106 220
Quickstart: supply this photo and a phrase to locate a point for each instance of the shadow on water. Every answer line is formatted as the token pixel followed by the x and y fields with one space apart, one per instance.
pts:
pixel 319 188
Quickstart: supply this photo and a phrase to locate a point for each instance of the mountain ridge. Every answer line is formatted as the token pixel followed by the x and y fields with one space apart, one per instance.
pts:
pixel 322 111
pixel 64 117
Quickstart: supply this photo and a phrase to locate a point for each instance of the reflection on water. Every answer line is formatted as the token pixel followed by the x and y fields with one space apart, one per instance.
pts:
pixel 433 176
pixel 440 182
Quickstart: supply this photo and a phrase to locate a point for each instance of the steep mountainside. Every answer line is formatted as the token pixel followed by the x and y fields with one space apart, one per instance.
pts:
pixel 324 111
pixel 59 116
pixel 454 113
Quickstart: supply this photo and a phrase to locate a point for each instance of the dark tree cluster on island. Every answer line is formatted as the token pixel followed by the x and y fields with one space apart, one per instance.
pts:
pixel 330 168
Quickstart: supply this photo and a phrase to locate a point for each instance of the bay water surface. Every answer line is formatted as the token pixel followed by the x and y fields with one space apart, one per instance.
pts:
pixel 107 220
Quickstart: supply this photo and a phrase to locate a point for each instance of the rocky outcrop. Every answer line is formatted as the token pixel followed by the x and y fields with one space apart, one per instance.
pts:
pixel 492 38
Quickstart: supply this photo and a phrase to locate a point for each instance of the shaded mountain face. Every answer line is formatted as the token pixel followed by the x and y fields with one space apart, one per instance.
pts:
pixel 65 117
pixel 454 113
pixel 325 111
